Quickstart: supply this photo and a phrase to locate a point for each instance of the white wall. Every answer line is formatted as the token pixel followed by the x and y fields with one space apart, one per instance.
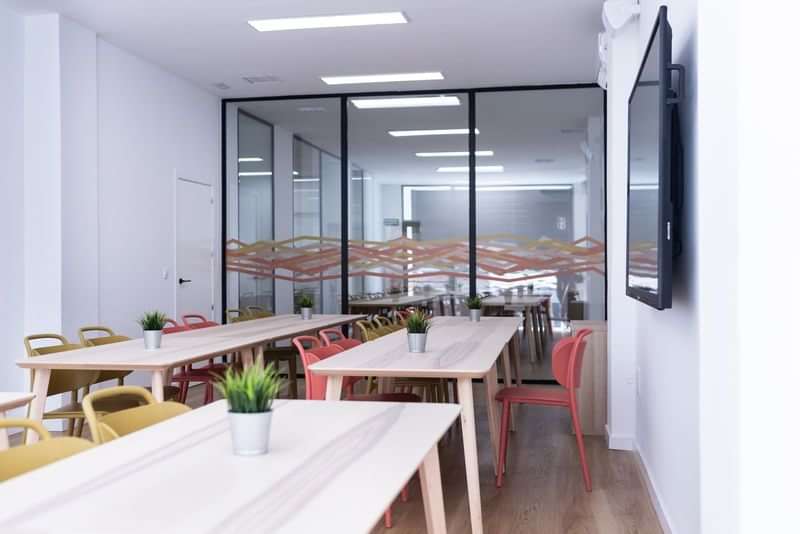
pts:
pixel 654 355
pixel 12 291
pixel 152 127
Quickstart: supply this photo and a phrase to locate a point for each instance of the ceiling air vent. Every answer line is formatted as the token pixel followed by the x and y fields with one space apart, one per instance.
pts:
pixel 261 79
pixel 545 160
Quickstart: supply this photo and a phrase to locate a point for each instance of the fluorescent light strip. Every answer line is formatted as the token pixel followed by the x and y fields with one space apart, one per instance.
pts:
pixel 478 153
pixel 382 78
pixel 419 133
pixel 335 21
pixel 644 187
pixel 410 102
pixel 302 180
pixel 258 173
pixel 249 159
pixel 478 168
pixel 518 188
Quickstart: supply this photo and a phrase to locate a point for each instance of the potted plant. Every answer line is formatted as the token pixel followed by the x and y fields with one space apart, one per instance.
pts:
pixel 417 325
pixel 306 304
pixel 250 394
pixel 152 324
pixel 474 304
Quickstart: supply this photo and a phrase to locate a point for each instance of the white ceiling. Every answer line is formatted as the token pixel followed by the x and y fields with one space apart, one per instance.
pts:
pixel 475 43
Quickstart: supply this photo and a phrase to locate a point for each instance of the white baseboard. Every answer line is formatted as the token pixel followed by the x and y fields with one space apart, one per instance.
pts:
pixel 655 498
pixel 619 442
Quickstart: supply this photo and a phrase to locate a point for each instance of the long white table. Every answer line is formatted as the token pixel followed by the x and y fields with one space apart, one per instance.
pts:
pixel 177 350
pixel 9 401
pixel 457 348
pixel 332 467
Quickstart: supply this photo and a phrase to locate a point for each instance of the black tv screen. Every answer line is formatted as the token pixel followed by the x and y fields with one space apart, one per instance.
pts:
pixel 653 159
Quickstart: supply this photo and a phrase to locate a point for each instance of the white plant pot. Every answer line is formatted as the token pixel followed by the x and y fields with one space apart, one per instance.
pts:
pixel 508 297
pixel 250 432
pixel 474 315
pixel 306 313
pixel 152 339
pixel 416 342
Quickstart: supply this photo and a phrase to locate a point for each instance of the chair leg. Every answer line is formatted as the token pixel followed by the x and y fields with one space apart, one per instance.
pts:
pixel 78 428
pixel 387 518
pixel 404 493
pixel 209 398
pixel 501 461
pixel 576 424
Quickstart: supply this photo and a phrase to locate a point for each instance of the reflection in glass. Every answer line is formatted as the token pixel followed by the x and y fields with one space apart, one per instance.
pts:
pixel 415 223
pixel 643 182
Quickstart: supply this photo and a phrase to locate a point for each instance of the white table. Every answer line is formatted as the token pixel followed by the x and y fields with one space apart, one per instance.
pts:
pixel 400 301
pixel 10 401
pixel 176 350
pixel 457 348
pixel 332 467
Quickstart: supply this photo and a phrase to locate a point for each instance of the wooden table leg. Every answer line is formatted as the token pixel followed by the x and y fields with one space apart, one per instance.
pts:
pixel 4 435
pixel 430 481
pixel 507 378
pixel 334 389
pixel 41 380
pixel 157 384
pixel 470 453
pixel 529 331
pixel 491 409
pixel 250 356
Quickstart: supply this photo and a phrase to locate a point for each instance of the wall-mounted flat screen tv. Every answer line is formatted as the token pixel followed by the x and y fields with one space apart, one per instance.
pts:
pixel 654 171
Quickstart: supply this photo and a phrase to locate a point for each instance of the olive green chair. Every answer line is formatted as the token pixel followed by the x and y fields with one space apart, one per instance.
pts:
pixel 108 336
pixel 23 458
pixel 106 427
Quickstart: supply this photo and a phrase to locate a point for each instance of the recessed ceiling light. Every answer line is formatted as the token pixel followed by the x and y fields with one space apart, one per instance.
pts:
pixel 335 21
pixel 258 173
pixel 303 180
pixel 247 159
pixel 383 78
pixel 519 188
pixel 311 109
pixel 453 154
pixel 478 168
pixel 417 133
pixel 407 102
pixel 295 173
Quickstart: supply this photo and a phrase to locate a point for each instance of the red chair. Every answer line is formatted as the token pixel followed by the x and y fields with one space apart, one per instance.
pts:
pixel 334 336
pixel 316 386
pixel 188 374
pixel 567 363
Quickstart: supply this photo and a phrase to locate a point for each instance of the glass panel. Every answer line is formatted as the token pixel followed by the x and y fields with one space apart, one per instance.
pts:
pixel 412 162
pixel 250 210
pixel 540 211
pixel 302 255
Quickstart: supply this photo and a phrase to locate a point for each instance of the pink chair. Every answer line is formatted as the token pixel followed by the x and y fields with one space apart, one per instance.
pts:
pixel 567 363
pixel 335 336
pixel 188 374
pixel 316 386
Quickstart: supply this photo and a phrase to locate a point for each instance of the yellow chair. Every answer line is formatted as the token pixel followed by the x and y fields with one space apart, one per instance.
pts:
pixel 235 315
pixel 367 331
pixel 96 341
pixel 111 426
pixel 382 325
pixel 257 312
pixel 64 381
pixel 24 458
pixel 387 325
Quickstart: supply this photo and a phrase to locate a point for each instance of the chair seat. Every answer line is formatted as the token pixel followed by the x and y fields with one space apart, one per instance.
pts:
pixel 73 410
pixel 346 343
pixel 386 397
pixel 548 395
pixel 19 460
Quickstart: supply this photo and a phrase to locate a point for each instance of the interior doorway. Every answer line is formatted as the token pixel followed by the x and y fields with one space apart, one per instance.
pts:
pixel 194 248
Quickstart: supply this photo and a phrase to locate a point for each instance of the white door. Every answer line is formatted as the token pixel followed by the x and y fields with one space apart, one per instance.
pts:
pixel 194 254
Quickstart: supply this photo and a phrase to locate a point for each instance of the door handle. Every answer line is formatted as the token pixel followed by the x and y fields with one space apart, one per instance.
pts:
pixel 183 281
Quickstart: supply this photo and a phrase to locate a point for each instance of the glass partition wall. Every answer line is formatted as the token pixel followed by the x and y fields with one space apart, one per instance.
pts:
pixel 405 188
